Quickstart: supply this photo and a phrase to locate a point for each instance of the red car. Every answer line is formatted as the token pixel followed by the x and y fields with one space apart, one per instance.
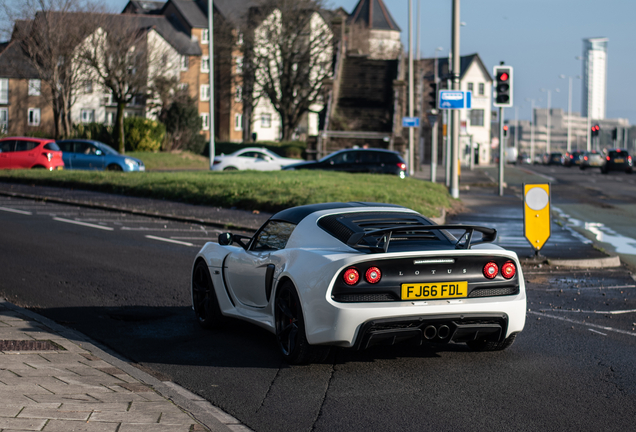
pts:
pixel 22 152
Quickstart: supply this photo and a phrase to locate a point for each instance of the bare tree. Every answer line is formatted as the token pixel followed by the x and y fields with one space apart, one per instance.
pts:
pixel 289 55
pixel 123 57
pixel 49 32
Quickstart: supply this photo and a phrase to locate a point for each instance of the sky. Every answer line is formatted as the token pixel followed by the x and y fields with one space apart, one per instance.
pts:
pixel 539 38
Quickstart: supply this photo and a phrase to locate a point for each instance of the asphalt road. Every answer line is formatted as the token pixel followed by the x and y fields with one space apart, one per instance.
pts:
pixel 123 280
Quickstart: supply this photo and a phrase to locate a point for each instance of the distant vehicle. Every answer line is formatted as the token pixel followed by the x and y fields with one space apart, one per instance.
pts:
pixel 554 158
pixel 374 161
pixel 591 159
pixel 538 159
pixel 251 158
pixel 355 275
pixel 23 152
pixel 617 160
pixel 573 158
pixel 511 155
pixel 524 159
pixel 94 155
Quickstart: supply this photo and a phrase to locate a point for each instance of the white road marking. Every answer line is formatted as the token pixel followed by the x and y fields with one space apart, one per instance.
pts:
pixel 592 288
pixel 583 323
pixel 169 240
pixel 617 312
pixel 596 331
pixel 106 228
pixel 11 210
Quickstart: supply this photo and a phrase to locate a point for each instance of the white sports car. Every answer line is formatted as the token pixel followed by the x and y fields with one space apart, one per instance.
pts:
pixel 251 158
pixel 358 274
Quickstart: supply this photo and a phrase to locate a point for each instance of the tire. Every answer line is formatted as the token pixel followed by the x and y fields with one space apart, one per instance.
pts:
pixel 204 301
pixel 604 171
pixel 582 168
pixel 114 167
pixel 230 168
pixel 290 329
pixel 484 345
pixel 38 167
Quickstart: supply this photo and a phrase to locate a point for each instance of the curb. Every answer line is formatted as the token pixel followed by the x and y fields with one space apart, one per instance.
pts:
pixel 202 411
pixel 609 262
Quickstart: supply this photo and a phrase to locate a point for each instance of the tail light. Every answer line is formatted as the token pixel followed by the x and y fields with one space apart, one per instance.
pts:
pixel 216 162
pixel 629 158
pixel 351 276
pixel 508 270
pixel 373 275
pixel 585 157
pixel 49 156
pixel 491 270
pixel 608 158
pixel 402 166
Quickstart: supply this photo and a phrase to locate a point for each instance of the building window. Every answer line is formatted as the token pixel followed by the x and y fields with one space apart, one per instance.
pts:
pixel 87 115
pixel 470 86
pixel 110 118
pixel 205 64
pixel 239 65
pixel 205 36
pixel 266 120
pixel 34 117
pixel 205 92
pixel 238 122
pixel 482 88
pixel 182 86
pixel 4 120
pixel 205 121
pixel 4 90
pixel 477 117
pixel 35 86
pixel 238 97
pixel 185 63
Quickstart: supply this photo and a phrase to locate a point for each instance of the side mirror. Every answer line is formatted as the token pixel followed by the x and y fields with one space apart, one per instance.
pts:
pixel 226 239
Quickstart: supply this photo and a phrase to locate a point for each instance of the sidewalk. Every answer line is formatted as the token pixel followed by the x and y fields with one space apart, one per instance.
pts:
pixel 53 379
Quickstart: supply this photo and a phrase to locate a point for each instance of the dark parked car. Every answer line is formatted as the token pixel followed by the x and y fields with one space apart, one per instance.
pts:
pixel 95 155
pixel 554 158
pixel 617 160
pixel 573 158
pixel 591 159
pixel 376 161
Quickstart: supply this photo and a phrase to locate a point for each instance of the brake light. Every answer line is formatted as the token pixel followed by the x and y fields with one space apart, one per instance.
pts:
pixel 351 276
pixel 585 157
pixel 508 270
pixel 608 158
pixel 491 270
pixel 629 158
pixel 216 162
pixel 402 166
pixel 373 275
pixel 49 156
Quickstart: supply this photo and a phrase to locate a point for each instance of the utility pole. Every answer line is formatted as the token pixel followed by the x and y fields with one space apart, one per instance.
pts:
pixel 454 156
pixel 434 139
pixel 531 130
pixel 211 76
pixel 411 130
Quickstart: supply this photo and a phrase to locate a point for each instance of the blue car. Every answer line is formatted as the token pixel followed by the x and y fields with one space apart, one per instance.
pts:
pixel 95 155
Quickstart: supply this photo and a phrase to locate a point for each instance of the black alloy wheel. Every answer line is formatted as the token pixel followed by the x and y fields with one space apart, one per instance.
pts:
pixel 290 329
pixel 204 301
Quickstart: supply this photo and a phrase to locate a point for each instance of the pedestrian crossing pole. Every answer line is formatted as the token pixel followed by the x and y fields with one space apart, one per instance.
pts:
pixel 502 149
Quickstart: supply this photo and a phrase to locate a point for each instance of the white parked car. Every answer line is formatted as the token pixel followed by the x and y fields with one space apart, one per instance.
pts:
pixel 251 158
pixel 354 275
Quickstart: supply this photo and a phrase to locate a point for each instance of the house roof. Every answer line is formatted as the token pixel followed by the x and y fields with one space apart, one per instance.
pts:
pixel 144 7
pixel 374 15
pixel 465 62
pixel 193 12
pixel 14 63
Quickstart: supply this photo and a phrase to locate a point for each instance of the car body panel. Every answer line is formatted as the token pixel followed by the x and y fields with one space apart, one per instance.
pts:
pixel 372 161
pixel 93 155
pixel 252 158
pixel 313 260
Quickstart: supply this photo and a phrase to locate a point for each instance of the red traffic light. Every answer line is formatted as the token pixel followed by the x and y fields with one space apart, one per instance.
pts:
pixel 505 127
pixel 504 76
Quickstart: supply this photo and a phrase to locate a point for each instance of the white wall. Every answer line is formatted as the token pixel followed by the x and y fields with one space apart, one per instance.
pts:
pixel 481 134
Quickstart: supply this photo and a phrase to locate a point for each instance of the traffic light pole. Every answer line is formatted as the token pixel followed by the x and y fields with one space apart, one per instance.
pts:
pixel 502 148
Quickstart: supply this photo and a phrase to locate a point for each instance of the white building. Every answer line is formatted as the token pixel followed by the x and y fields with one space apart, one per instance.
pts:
pixel 594 96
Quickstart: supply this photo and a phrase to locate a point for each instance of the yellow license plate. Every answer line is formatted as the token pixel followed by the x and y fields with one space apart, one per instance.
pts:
pixel 60 167
pixel 434 290
pixel 619 160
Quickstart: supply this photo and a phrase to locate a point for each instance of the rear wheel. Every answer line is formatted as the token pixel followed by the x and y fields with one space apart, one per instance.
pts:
pixel 485 345
pixel 290 329
pixel 204 301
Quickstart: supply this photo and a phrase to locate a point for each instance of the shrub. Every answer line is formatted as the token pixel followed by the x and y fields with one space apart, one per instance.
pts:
pixel 183 125
pixel 142 134
pixel 95 131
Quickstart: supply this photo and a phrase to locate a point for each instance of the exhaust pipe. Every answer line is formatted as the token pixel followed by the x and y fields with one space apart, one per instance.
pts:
pixel 443 332
pixel 430 332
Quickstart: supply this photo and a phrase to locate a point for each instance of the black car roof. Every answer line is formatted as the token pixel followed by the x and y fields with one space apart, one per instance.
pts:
pixel 296 214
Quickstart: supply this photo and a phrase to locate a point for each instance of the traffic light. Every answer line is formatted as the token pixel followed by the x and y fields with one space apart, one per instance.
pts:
pixel 596 129
pixel 505 130
pixel 615 134
pixel 432 95
pixel 503 86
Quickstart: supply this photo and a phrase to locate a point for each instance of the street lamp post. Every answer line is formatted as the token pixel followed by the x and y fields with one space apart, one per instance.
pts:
pixel 211 77
pixel 548 149
pixel 434 138
pixel 455 113
pixel 569 144
pixel 410 111
pixel 531 129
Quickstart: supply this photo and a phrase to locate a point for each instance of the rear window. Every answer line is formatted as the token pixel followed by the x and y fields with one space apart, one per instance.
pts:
pixel 618 154
pixel 52 146
pixel 25 145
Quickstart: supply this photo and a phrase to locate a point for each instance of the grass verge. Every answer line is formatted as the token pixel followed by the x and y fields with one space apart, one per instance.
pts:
pixel 249 190
pixel 171 161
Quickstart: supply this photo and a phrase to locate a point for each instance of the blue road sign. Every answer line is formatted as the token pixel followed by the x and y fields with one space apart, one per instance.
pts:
pixel 410 122
pixel 455 99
